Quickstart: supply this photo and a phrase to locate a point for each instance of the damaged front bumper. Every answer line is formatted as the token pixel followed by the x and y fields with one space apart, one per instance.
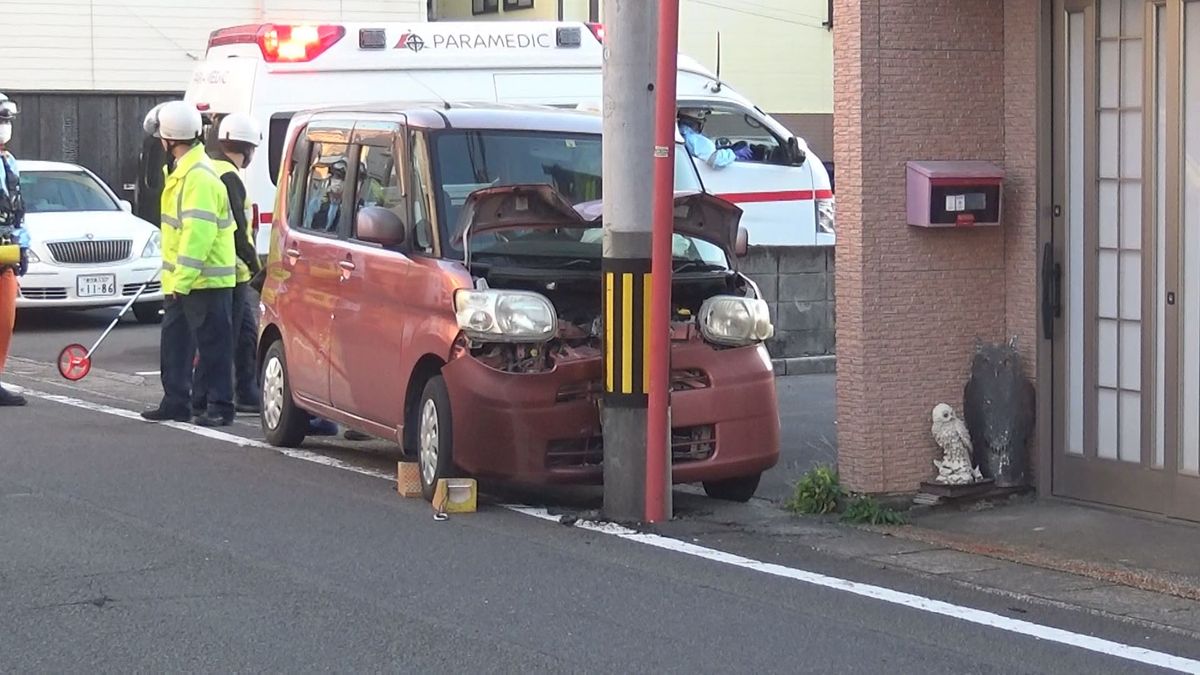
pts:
pixel 539 428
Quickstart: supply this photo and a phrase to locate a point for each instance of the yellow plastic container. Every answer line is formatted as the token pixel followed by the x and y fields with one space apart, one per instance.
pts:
pixel 10 254
pixel 455 495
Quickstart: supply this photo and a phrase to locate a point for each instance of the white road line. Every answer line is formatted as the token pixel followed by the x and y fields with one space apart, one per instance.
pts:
pixel 146 373
pixel 214 434
pixel 917 602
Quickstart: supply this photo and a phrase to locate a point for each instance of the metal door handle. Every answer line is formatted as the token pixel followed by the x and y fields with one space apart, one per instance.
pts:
pixel 347 265
pixel 1051 291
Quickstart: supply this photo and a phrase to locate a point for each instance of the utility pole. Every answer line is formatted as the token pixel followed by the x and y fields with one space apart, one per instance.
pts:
pixel 658 424
pixel 628 162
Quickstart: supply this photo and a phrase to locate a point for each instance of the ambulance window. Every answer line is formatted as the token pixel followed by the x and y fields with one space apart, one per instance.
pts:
pixel 485 6
pixel 744 134
pixel 323 208
pixel 276 139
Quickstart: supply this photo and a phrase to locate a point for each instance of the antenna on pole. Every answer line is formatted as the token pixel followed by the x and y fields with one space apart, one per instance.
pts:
pixel 716 86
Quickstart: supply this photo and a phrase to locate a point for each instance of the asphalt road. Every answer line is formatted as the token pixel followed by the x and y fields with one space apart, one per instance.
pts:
pixel 806 404
pixel 135 547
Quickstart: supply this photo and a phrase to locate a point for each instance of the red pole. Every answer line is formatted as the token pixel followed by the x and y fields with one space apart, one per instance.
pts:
pixel 658 432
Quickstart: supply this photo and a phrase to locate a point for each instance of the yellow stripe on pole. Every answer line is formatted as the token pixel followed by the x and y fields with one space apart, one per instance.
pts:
pixel 608 328
pixel 646 334
pixel 626 333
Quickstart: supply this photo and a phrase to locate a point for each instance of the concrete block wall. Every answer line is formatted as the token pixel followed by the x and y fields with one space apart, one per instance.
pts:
pixel 798 284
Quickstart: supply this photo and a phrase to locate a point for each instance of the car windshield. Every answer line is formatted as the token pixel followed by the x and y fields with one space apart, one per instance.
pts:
pixel 62 191
pixel 466 161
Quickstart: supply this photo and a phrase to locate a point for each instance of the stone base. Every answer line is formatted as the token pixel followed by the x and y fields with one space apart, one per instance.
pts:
pixel 936 493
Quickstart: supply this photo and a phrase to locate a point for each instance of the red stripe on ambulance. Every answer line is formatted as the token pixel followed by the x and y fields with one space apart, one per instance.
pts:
pixel 776 196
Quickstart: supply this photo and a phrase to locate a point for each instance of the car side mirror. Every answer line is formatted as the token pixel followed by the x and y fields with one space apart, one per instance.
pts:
pixel 796 154
pixel 377 225
pixel 126 206
pixel 742 246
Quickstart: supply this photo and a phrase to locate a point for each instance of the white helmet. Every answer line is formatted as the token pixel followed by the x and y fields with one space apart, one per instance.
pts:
pixel 8 109
pixel 175 121
pixel 150 124
pixel 240 127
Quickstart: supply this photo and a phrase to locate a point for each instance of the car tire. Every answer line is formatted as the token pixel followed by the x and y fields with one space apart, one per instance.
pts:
pixel 733 489
pixel 148 312
pixel 283 424
pixel 435 436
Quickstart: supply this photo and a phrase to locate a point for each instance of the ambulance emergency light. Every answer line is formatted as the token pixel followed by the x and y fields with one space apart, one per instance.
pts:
pixel 281 43
pixel 954 194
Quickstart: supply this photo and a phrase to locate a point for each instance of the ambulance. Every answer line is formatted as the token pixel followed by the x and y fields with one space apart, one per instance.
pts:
pixel 273 71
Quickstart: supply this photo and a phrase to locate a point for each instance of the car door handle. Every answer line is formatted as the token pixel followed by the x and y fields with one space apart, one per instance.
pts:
pixel 347 265
pixel 293 252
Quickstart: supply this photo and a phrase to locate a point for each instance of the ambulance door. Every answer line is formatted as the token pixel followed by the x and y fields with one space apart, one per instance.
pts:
pixel 774 190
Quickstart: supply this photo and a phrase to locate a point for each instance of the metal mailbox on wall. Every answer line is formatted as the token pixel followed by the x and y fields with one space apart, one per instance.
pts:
pixel 954 194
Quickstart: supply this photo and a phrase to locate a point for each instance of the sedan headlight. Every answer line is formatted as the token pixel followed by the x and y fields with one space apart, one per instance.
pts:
pixel 154 246
pixel 32 257
pixel 505 316
pixel 735 321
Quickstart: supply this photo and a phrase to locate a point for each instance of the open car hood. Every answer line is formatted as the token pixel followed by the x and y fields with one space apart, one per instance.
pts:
pixel 697 214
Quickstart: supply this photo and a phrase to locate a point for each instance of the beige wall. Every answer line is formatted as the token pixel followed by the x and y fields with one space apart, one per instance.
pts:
pixel 145 45
pixel 911 301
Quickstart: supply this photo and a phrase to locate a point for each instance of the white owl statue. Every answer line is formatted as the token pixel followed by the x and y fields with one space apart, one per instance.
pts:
pixel 950 432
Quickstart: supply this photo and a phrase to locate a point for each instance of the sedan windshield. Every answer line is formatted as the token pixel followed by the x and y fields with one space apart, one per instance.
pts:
pixel 466 161
pixel 62 191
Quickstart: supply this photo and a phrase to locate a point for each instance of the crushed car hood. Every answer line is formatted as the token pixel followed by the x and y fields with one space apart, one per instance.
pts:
pixel 697 214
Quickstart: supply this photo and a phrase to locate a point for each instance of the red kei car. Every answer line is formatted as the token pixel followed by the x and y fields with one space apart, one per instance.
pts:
pixel 434 278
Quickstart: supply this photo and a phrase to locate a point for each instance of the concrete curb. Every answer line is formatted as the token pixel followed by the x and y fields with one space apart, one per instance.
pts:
pixel 1154 582
pixel 805 365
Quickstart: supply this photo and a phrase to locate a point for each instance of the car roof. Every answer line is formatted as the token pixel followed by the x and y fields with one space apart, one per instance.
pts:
pixel 38 165
pixel 471 115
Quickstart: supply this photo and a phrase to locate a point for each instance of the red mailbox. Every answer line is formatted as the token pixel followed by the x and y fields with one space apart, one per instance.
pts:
pixel 954 194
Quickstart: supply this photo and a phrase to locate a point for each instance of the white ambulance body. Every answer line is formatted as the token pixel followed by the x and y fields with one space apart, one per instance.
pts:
pixel 272 71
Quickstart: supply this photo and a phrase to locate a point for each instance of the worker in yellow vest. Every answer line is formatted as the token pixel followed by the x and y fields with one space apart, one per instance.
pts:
pixel 238 136
pixel 199 272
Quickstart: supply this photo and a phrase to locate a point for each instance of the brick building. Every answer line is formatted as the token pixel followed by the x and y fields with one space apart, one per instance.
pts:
pixel 1092 108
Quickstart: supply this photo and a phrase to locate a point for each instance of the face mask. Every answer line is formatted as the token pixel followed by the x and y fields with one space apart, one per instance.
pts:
pixel 246 161
pixel 5 132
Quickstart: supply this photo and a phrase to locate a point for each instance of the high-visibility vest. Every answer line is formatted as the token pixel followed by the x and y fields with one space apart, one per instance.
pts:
pixel 197 230
pixel 225 168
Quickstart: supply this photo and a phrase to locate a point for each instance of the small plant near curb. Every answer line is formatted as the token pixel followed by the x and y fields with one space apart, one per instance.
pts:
pixel 863 509
pixel 818 492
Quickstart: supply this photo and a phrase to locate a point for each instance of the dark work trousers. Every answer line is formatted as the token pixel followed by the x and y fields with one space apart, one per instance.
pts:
pixel 201 320
pixel 245 366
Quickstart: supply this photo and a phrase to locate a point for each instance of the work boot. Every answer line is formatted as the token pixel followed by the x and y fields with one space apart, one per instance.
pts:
pixel 9 399
pixel 352 435
pixel 160 415
pixel 321 427
pixel 213 420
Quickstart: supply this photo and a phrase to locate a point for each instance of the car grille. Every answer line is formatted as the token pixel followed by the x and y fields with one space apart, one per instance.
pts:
pixel 130 290
pixel 688 444
pixel 90 252
pixel 681 380
pixel 43 293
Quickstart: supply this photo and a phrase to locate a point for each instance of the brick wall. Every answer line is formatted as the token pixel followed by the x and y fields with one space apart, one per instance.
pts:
pixel 924 80
pixel 797 282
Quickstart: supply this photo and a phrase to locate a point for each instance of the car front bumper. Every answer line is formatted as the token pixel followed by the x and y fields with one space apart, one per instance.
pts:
pixel 56 286
pixel 543 428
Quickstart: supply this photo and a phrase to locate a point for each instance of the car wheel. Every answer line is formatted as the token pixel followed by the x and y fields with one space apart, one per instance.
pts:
pixel 283 424
pixel 148 312
pixel 435 434
pixel 733 489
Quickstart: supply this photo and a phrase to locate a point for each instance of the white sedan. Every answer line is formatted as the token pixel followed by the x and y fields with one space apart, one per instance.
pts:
pixel 87 249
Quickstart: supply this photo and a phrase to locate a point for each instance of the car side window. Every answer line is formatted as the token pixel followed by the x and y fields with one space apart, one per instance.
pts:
pixel 377 183
pixel 326 186
pixel 418 179
pixel 743 133
pixel 296 183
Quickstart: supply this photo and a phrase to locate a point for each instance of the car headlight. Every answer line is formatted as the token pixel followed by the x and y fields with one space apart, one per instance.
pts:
pixel 735 321
pixel 505 316
pixel 154 246
pixel 32 257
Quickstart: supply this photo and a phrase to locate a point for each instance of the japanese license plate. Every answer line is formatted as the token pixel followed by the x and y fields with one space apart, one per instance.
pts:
pixel 95 285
